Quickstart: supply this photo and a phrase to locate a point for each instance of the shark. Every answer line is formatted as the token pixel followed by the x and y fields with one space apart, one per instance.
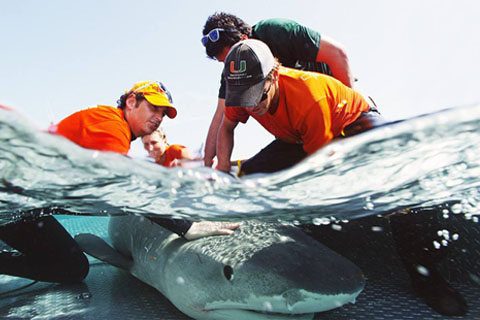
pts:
pixel 261 271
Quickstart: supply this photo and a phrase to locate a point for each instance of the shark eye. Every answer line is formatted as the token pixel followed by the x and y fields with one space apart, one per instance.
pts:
pixel 228 272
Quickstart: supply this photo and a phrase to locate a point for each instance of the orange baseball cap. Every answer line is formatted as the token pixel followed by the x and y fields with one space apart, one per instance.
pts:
pixel 157 94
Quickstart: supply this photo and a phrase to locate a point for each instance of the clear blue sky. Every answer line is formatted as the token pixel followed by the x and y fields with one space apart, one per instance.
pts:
pixel 60 56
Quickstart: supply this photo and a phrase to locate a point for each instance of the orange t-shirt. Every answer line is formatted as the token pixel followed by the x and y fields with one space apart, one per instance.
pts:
pixel 313 109
pixel 101 128
pixel 172 153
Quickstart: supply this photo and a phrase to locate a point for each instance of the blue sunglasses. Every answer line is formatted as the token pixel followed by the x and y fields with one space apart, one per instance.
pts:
pixel 213 35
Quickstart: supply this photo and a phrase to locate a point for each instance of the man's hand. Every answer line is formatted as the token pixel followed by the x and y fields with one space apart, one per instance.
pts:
pixel 208 162
pixel 225 167
pixel 209 228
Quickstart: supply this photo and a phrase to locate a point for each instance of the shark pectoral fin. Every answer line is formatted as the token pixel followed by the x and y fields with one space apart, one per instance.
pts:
pixel 98 248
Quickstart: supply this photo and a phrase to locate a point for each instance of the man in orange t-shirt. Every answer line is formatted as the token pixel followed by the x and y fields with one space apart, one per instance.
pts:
pixel 303 110
pixel 140 112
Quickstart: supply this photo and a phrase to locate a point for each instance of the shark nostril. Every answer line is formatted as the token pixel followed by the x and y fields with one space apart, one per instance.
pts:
pixel 228 272
pixel 292 296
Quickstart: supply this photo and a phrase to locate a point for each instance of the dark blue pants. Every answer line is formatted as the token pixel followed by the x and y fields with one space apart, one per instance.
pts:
pixel 46 251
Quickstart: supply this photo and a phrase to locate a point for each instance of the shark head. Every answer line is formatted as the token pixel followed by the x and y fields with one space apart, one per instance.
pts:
pixel 262 271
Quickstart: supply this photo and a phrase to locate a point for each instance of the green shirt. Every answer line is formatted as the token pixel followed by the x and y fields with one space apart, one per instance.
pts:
pixel 295 45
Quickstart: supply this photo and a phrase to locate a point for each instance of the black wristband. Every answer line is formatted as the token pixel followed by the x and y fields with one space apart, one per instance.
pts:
pixel 178 226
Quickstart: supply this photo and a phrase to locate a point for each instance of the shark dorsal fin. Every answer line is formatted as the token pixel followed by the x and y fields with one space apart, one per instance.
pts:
pixel 98 248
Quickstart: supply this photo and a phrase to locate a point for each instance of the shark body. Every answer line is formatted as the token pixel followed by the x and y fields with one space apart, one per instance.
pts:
pixel 262 271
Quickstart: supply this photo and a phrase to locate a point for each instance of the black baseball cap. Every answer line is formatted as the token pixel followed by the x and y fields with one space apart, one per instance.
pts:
pixel 246 68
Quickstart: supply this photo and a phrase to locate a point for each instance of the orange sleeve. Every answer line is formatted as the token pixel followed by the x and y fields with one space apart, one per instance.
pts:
pixel 176 151
pixel 316 129
pixel 173 152
pixel 105 135
pixel 236 114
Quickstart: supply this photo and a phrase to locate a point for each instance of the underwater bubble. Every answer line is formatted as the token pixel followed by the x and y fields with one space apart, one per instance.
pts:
pixel 84 295
pixel 455 237
pixel 285 239
pixel 445 243
pixel 369 206
pixel 422 270
pixel 267 306
pixel 377 229
pixel 326 221
pixel 320 221
pixel 436 244
pixel 457 208
pixel 180 280
pixel 336 227
pixel 445 234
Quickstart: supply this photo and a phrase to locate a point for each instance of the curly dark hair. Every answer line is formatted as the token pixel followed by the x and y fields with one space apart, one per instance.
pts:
pixel 121 102
pixel 227 39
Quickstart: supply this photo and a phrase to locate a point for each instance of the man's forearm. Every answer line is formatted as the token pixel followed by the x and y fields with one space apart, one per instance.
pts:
pixel 224 149
pixel 210 145
pixel 211 141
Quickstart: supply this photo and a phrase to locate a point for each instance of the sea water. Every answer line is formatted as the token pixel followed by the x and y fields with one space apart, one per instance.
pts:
pixel 425 161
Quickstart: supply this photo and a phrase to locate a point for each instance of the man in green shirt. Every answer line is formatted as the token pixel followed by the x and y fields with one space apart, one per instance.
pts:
pixel 295 46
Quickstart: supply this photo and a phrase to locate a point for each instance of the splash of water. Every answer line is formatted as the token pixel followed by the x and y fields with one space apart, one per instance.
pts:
pixel 424 161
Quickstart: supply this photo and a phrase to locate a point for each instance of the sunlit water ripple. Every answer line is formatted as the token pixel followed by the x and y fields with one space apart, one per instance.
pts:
pixel 424 161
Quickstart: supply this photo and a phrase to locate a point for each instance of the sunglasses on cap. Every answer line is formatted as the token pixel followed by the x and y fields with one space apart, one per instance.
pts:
pixel 161 86
pixel 214 35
